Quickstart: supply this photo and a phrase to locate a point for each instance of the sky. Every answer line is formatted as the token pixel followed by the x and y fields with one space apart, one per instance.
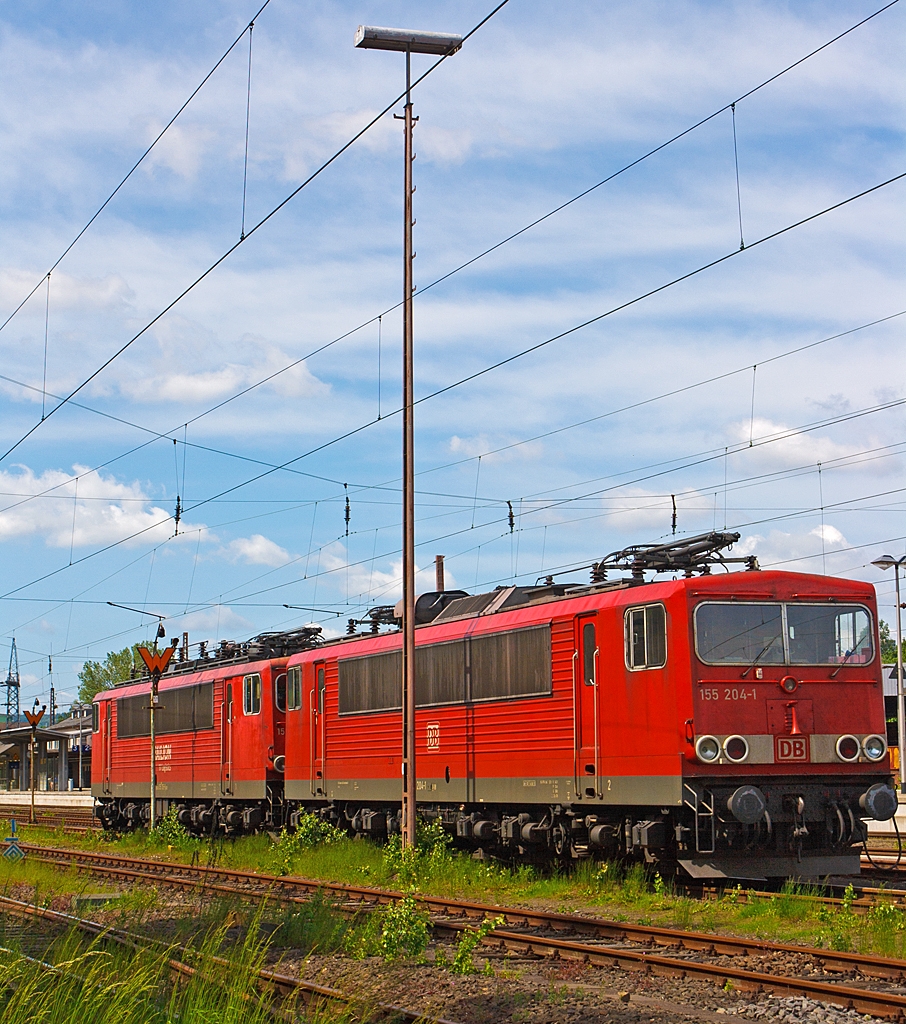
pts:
pixel 764 394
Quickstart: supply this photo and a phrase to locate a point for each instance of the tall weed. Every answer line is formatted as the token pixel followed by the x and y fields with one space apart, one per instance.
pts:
pixel 311 831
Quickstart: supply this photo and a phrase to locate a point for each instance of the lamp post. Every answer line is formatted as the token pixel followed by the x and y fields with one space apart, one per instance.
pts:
pixel 888 562
pixel 408 41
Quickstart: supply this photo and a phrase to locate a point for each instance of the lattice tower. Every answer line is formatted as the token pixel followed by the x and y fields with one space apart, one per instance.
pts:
pixel 12 685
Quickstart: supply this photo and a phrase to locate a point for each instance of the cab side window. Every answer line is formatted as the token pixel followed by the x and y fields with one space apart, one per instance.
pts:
pixel 280 692
pixel 251 694
pixel 294 689
pixel 322 685
pixel 646 637
pixel 95 718
pixel 589 648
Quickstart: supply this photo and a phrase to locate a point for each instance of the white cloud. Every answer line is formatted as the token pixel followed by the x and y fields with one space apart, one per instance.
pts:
pixel 180 150
pixel 800 551
pixel 167 383
pixel 219 622
pixel 95 509
pixel 791 449
pixel 258 550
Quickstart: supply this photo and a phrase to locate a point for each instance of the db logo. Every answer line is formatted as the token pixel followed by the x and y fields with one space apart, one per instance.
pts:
pixel 791 748
pixel 433 735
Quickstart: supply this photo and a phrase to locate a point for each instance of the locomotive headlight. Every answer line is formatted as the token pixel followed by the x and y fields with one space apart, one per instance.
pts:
pixel 736 748
pixel 848 748
pixel 707 748
pixel 874 747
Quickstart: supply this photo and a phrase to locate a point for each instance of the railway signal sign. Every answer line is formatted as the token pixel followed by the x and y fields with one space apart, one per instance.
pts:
pixel 34 717
pixel 155 661
pixel 13 851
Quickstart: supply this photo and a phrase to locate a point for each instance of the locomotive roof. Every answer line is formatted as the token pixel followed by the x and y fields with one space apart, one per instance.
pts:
pixel 688 556
pixel 530 605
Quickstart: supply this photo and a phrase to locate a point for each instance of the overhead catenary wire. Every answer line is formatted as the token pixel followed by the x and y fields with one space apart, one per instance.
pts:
pixel 546 216
pixel 528 226
pixel 46 335
pixel 745 482
pixel 570 566
pixel 134 168
pixel 524 352
pixel 231 249
pixel 354 431
pixel 504 241
pixel 248 111
pixel 742 242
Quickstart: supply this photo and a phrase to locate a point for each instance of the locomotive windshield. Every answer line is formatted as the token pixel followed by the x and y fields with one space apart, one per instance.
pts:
pixel 783 634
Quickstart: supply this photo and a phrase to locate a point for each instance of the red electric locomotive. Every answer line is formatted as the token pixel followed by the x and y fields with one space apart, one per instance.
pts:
pixel 723 725
pixel 219 740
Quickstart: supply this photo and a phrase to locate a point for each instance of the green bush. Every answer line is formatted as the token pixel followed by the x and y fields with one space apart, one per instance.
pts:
pixel 469 942
pixel 311 831
pixel 429 855
pixel 168 830
pixel 404 931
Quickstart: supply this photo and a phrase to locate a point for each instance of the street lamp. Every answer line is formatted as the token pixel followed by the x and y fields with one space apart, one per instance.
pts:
pixel 888 562
pixel 408 41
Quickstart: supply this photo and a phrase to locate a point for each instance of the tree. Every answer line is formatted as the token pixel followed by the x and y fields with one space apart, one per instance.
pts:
pixel 889 645
pixel 117 667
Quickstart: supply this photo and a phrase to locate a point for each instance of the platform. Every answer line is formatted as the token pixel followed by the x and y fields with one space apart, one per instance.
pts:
pixel 66 800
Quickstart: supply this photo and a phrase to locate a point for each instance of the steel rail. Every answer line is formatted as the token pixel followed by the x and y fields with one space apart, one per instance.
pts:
pixel 83 819
pixel 456 915
pixel 268 980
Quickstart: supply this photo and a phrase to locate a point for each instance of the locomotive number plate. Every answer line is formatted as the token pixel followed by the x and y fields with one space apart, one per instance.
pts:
pixel 791 748
pixel 727 693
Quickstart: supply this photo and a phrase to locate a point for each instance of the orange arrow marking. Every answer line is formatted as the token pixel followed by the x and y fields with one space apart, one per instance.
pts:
pixel 156 661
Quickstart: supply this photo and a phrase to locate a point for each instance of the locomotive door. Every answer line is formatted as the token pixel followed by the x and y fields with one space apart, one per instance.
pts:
pixel 317 720
pixel 586 709
pixel 107 742
pixel 226 741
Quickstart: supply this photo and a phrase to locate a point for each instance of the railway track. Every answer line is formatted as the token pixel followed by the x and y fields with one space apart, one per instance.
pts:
pixel 863 983
pixel 71 819
pixel 280 986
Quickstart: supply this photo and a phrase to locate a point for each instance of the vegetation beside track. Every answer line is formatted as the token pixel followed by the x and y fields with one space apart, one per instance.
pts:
pixel 77 978
pixel 604 890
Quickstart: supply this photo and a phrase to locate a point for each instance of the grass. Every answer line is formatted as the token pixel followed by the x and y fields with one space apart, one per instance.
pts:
pixel 608 890
pixel 98 983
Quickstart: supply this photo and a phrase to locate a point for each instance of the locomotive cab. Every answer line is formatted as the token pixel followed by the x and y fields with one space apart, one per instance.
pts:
pixel 785 753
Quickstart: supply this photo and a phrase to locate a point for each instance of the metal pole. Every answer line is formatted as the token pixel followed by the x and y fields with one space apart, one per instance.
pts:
pixel 155 679
pixel 409 768
pixel 81 725
pixel 901 718
pixel 31 817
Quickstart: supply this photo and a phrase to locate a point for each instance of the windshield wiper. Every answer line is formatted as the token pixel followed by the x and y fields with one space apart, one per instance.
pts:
pixel 849 654
pixel 763 650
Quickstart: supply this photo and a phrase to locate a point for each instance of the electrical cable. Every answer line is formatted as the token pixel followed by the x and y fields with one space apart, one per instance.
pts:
pixel 134 167
pixel 264 220
pixel 533 348
pixel 537 221
pixel 877 186
pixel 557 337
pixel 543 217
